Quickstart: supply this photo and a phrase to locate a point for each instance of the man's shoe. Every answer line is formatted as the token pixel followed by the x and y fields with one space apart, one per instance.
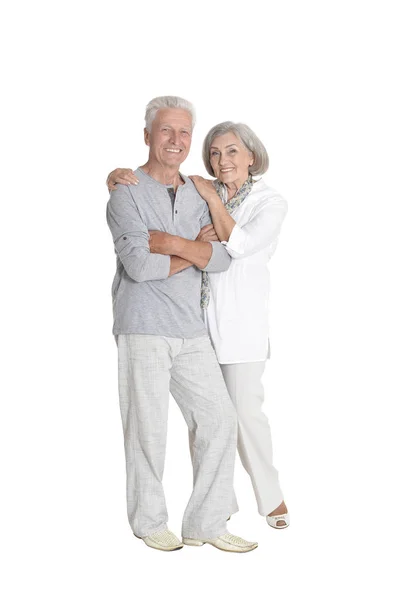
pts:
pixel 163 540
pixel 226 542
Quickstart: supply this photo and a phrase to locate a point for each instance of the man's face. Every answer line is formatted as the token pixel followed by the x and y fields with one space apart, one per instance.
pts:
pixel 170 137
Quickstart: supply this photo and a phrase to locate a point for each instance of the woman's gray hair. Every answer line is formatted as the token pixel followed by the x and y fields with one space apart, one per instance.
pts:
pixel 248 138
pixel 167 102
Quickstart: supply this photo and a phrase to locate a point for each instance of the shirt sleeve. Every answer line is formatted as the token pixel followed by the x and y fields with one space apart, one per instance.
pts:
pixel 205 217
pixel 260 231
pixel 130 236
pixel 220 259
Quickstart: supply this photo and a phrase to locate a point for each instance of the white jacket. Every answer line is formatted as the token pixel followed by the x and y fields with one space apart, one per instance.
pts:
pixel 237 315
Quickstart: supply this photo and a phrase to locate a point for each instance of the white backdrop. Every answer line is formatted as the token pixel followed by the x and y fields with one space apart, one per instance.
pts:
pixel 318 82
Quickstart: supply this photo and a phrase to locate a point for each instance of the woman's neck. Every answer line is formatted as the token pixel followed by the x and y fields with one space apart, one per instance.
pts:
pixel 232 188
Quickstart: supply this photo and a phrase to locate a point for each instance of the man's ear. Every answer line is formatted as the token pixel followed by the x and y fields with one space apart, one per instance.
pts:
pixel 146 137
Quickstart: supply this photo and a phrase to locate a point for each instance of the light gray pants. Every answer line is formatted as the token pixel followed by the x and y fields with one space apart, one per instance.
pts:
pixel 149 367
pixel 243 381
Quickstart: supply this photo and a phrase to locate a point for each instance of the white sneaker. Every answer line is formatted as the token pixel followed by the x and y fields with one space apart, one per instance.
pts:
pixel 163 540
pixel 226 542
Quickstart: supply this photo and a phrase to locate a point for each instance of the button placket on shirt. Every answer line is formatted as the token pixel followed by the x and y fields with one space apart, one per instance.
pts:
pixel 175 204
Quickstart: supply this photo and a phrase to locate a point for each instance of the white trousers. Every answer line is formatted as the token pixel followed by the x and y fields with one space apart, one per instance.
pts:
pixel 243 381
pixel 149 367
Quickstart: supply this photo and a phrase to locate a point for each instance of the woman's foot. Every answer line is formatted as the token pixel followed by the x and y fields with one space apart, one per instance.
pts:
pixel 280 510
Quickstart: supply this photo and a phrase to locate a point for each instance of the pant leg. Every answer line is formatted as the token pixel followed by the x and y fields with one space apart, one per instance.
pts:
pixel 198 387
pixel 144 363
pixel 234 504
pixel 243 381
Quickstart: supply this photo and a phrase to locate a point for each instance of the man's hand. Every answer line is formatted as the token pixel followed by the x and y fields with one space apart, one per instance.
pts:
pixel 161 242
pixel 207 234
pixel 205 187
pixel 124 176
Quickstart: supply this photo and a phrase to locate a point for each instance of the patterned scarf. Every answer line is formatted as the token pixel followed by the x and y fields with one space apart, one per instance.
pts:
pixel 230 205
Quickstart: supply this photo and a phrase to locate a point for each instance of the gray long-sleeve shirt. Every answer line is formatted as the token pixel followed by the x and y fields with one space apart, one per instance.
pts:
pixel 145 299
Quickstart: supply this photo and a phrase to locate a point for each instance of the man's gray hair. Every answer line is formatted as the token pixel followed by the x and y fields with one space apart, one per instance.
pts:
pixel 248 138
pixel 167 102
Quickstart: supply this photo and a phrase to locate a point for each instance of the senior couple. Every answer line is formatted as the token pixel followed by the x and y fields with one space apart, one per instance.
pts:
pixel 190 318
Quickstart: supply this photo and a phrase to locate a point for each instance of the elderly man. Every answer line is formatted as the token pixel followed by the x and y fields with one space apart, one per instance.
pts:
pixel 162 341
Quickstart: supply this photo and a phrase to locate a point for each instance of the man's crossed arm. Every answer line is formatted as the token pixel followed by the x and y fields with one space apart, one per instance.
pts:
pixel 166 254
pixel 184 253
pixel 196 253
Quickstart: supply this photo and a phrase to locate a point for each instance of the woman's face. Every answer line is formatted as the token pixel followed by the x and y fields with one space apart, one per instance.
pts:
pixel 230 159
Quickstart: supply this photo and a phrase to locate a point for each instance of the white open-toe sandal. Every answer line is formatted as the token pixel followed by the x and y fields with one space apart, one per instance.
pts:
pixel 272 521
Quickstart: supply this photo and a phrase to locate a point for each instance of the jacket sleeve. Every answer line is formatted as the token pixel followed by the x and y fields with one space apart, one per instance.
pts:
pixel 130 236
pixel 220 259
pixel 261 230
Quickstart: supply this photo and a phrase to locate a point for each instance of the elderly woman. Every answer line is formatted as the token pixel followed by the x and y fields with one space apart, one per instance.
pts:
pixel 247 216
